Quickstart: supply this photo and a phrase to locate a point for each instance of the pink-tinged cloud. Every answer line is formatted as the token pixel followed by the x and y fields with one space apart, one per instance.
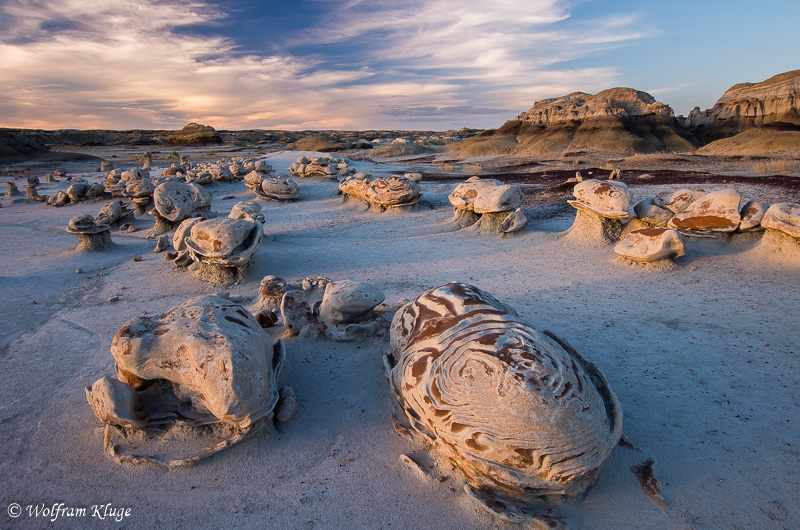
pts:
pixel 124 64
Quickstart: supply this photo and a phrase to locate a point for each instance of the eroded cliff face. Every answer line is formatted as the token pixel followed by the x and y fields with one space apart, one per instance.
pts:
pixel 617 121
pixel 744 106
pixel 579 106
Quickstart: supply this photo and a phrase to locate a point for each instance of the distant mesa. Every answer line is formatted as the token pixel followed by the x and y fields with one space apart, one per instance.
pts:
pixel 621 121
pixel 194 134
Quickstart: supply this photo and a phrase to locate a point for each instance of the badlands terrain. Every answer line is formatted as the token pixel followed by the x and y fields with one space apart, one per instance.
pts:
pixel 701 353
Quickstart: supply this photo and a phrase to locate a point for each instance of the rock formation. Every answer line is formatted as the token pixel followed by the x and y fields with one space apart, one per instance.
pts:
pixel 521 414
pixel 651 244
pixel 622 121
pixel 744 106
pixel 211 354
pixel 91 236
pixel 488 206
pixel 345 313
pixel 194 134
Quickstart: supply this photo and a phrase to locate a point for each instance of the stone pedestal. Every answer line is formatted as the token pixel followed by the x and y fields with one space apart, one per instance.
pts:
pixel 590 227
pixel 92 241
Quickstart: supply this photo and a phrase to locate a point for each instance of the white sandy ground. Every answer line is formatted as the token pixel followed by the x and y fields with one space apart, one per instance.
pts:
pixel 704 359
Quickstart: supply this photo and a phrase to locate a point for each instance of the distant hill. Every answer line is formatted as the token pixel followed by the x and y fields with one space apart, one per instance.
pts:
pixel 16 147
pixel 618 121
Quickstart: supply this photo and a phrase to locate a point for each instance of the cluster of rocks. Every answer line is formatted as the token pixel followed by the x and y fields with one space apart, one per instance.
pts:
pixel 332 168
pixel 342 311
pixel 78 191
pixel 488 206
pixel 658 224
pixel 272 187
pixel 383 193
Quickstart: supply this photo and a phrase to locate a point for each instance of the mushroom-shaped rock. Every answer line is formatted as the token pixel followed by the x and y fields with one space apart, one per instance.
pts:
pixel 610 199
pixel 278 189
pixel 486 195
pixel 483 205
pixel 82 222
pixel 212 350
pixel 224 241
pixel 649 212
pixel 752 213
pixel 137 189
pixel 521 414
pixel 393 191
pixel 348 301
pixel 651 244
pixel 783 217
pixel 713 212
pixel 91 236
pixel 677 201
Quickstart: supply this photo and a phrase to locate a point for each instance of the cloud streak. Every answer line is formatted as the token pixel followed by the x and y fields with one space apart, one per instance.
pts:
pixel 374 64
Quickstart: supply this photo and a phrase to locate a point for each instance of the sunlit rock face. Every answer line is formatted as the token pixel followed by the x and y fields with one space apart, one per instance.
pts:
pixel 618 102
pixel 606 198
pixel 749 105
pixel 713 212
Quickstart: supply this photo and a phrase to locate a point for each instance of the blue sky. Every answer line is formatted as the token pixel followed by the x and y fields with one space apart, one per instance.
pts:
pixel 369 64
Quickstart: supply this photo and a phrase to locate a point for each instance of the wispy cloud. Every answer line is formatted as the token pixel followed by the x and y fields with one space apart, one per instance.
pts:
pixel 374 63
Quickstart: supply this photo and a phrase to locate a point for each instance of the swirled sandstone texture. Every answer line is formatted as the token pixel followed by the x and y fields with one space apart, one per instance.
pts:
pixel 512 409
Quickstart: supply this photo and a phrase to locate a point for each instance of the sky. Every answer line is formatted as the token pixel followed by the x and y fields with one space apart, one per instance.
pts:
pixel 369 64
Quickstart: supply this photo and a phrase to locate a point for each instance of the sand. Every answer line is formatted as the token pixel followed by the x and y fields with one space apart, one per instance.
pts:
pixel 703 356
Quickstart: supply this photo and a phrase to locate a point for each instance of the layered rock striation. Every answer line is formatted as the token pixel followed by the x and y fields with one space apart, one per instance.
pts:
pixel 774 103
pixel 621 121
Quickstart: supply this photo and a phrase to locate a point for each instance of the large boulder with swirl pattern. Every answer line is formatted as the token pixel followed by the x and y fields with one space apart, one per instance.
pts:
pixel 521 414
